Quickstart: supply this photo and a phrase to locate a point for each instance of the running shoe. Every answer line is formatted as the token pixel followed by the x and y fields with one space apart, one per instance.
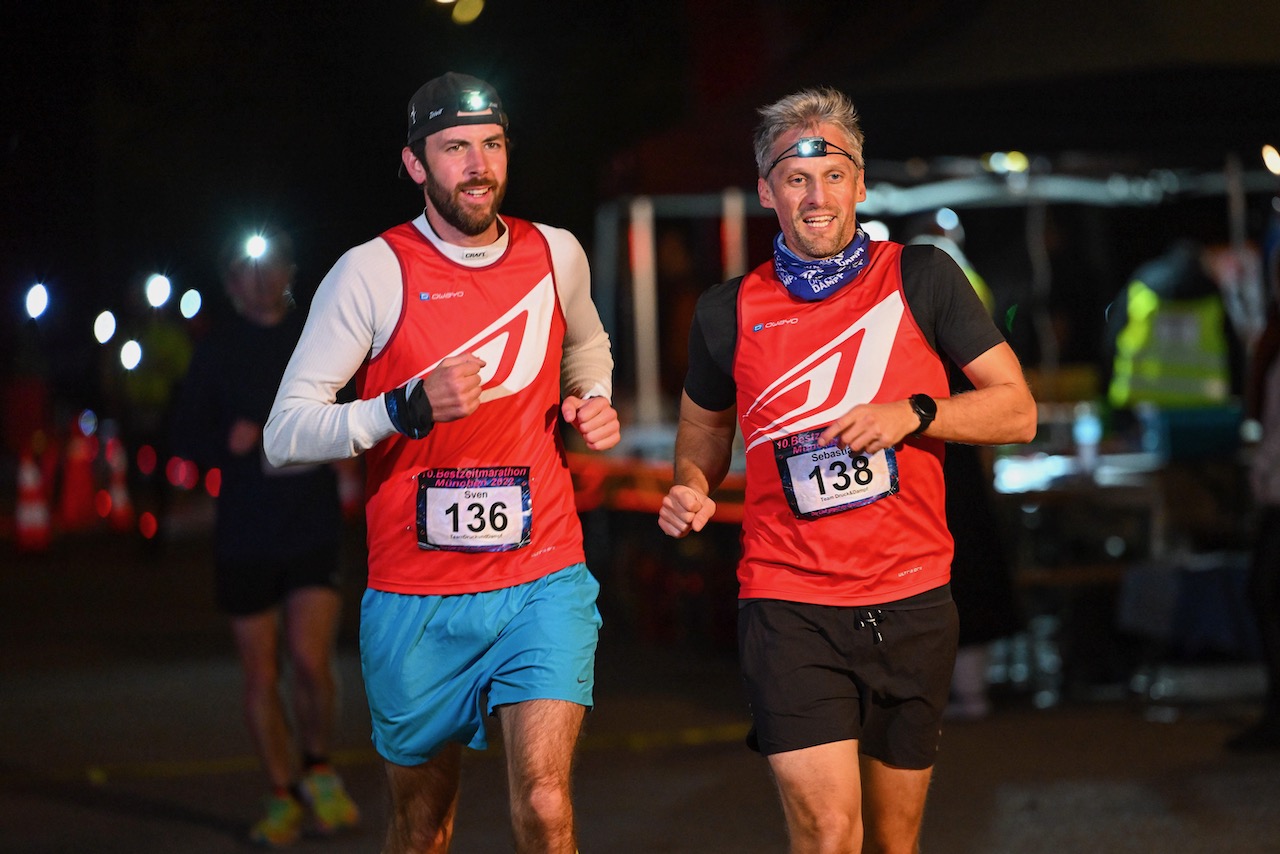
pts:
pixel 330 804
pixel 282 825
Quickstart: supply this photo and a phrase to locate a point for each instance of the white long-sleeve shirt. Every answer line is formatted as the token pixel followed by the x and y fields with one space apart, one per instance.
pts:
pixel 353 315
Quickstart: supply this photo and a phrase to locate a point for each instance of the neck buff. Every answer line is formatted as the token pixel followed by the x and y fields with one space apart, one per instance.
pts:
pixel 815 280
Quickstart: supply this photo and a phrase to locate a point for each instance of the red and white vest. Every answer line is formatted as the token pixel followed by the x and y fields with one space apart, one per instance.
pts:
pixel 486 501
pixel 798 366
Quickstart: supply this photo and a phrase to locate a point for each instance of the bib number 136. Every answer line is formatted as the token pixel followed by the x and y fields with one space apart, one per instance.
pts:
pixel 474 509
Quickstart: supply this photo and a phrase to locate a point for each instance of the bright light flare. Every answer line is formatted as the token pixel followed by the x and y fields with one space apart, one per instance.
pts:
pixel 104 327
pixel 37 300
pixel 1271 159
pixel 130 354
pixel 159 289
pixel 466 11
pixel 1006 162
pixel 190 304
pixel 255 247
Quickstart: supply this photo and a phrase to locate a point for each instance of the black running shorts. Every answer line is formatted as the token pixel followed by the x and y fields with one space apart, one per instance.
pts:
pixel 817 674
pixel 245 587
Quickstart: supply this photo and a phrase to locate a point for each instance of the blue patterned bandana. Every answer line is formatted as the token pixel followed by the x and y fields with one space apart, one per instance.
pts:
pixel 815 280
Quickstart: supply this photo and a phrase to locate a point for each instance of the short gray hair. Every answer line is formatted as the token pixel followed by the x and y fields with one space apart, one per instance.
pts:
pixel 804 109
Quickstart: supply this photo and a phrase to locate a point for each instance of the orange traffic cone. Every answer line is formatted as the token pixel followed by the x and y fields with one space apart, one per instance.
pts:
pixel 31 515
pixel 75 504
pixel 120 508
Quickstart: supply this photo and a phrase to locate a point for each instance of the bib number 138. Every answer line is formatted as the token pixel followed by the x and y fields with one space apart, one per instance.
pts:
pixel 822 480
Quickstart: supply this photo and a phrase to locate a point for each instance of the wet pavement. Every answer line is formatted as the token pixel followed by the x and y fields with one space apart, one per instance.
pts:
pixel 121 733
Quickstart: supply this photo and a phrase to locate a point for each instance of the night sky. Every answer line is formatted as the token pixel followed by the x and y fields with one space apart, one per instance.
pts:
pixel 142 136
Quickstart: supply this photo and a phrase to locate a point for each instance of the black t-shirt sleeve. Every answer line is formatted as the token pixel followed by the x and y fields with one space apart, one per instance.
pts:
pixel 945 306
pixel 713 336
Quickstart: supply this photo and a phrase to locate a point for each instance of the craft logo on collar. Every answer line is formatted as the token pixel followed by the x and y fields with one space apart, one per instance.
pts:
pixel 772 323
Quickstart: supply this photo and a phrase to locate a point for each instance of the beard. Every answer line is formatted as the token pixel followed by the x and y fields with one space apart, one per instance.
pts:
pixel 465 218
pixel 807 245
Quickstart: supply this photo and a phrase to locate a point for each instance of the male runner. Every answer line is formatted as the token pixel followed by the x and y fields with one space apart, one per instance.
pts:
pixel 827 358
pixel 471 336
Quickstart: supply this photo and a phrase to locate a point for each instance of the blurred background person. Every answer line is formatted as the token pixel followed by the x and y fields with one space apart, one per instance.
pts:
pixel 276 543
pixel 981 570
pixel 1171 339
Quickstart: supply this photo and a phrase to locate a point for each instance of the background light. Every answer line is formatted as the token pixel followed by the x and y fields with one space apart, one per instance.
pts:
pixel 1271 159
pixel 158 290
pixel 87 422
pixel 104 326
pixel 130 354
pixel 946 219
pixel 37 300
pixel 875 229
pixel 255 247
pixel 467 11
pixel 190 304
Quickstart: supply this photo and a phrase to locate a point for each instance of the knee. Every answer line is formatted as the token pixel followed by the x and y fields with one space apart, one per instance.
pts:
pixel 544 802
pixel 828 832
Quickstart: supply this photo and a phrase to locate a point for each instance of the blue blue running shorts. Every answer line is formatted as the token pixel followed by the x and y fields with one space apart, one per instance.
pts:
pixel 432 664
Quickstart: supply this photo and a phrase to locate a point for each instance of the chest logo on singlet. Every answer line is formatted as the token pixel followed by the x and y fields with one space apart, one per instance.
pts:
pixel 830 380
pixel 513 347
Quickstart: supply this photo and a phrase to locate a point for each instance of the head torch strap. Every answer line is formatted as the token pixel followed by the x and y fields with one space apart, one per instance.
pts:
pixel 810 146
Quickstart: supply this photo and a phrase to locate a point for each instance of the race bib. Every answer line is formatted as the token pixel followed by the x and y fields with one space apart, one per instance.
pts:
pixel 474 509
pixel 819 481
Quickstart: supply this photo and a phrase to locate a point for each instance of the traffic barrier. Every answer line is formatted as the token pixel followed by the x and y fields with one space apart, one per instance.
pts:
pixel 119 507
pixel 75 502
pixel 32 524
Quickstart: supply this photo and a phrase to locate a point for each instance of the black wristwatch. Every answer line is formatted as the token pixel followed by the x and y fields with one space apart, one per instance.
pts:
pixel 926 408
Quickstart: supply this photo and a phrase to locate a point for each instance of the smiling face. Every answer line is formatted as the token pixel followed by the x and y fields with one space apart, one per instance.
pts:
pixel 815 198
pixel 465 178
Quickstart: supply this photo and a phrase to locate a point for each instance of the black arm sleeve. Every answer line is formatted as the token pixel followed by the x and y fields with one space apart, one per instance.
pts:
pixel 713 336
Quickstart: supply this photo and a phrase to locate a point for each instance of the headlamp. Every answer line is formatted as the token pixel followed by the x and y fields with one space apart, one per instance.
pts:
pixel 810 146
pixel 473 101
pixel 255 247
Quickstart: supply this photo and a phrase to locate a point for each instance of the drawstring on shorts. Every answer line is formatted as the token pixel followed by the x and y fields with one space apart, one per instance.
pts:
pixel 870 618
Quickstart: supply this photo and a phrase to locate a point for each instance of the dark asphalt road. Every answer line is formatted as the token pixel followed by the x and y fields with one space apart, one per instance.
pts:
pixel 121 733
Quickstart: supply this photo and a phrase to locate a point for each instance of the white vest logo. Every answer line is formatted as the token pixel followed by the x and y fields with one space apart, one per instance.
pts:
pixel 815 378
pixel 514 346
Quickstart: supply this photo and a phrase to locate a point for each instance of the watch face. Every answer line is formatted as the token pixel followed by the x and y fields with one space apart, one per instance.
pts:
pixel 924 405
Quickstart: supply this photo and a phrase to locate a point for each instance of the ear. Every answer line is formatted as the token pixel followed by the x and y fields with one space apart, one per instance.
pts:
pixel 765 193
pixel 413 166
pixel 862 186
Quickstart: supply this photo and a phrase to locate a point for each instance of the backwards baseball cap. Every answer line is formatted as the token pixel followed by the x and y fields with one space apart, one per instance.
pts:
pixel 450 100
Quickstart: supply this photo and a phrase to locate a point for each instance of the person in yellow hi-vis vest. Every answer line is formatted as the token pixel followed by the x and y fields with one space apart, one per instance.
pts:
pixel 1172 342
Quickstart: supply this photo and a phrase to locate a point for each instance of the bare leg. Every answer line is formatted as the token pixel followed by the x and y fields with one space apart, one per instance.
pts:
pixel 256 644
pixel 424 803
pixel 540 736
pixel 311 625
pixel 821 797
pixel 893 806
